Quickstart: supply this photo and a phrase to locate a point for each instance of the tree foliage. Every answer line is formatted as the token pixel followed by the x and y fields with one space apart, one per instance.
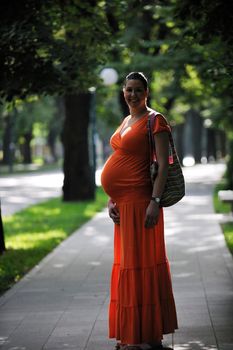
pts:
pixel 54 47
pixel 190 45
pixel 50 46
pixel 185 49
pixel 206 29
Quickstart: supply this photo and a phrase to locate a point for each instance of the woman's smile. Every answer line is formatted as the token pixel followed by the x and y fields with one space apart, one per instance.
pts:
pixel 135 93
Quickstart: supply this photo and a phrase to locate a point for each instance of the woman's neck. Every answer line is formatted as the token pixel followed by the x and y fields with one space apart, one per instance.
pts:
pixel 138 112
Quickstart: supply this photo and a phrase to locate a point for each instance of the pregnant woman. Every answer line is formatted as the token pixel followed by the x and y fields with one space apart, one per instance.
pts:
pixel 142 306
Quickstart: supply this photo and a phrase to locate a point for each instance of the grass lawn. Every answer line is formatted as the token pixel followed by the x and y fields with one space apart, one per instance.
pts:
pixel 224 208
pixel 33 232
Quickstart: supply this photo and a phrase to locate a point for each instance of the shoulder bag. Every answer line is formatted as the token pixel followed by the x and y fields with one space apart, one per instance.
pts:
pixel 174 189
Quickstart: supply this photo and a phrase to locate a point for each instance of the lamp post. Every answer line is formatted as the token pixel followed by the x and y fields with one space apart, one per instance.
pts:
pixel 109 77
pixel 2 241
pixel 92 91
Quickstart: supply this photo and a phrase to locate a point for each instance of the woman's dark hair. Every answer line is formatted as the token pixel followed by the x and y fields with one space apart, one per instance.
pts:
pixel 137 76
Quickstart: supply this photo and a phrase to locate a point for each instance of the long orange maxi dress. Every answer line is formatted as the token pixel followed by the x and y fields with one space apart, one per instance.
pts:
pixel 142 306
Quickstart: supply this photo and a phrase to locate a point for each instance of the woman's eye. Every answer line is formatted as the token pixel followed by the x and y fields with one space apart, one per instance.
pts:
pixel 135 90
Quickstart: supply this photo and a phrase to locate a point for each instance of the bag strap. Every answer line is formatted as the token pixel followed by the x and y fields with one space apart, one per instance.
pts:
pixel 150 125
pixel 152 150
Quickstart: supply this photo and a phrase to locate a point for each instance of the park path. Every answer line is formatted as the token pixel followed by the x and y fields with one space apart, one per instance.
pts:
pixel 62 303
pixel 18 191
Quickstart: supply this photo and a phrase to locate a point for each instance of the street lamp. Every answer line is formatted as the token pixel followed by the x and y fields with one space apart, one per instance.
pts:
pixel 109 76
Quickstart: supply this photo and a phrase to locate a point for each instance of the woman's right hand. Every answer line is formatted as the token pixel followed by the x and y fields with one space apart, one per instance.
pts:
pixel 113 212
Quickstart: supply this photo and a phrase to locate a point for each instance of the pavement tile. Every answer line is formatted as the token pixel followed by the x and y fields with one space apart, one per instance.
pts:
pixel 100 329
pixel 23 343
pixel 192 340
pixel 225 336
pixel 195 345
pixel 101 344
pixel 33 301
pixel 63 343
pixel 191 319
pixel 222 323
pixel 225 346
pixel 103 315
pixel 75 317
pixel 70 335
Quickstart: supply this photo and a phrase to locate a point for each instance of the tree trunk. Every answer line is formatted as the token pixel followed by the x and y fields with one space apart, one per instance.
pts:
pixel 2 241
pixel 79 174
pixel 197 125
pixel 51 140
pixel 229 173
pixel 193 135
pixel 178 139
pixel 211 145
pixel 8 140
pixel 223 144
pixel 26 149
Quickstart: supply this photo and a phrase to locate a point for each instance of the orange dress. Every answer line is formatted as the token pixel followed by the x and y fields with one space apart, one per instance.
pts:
pixel 142 306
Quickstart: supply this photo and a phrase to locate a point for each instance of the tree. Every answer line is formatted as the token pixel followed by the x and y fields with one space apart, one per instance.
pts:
pixel 54 47
pixel 181 46
pixel 77 166
pixel 2 241
pixel 207 28
pixel 35 111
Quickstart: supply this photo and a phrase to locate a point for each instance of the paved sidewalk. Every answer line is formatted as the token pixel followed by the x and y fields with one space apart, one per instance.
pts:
pixel 18 191
pixel 62 303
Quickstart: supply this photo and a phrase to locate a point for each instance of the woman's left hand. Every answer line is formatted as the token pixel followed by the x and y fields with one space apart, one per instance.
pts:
pixel 152 215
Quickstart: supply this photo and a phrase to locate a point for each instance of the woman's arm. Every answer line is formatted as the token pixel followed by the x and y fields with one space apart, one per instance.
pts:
pixel 162 154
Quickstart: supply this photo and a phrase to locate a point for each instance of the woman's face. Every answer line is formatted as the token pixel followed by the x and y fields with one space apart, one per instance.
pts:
pixel 135 94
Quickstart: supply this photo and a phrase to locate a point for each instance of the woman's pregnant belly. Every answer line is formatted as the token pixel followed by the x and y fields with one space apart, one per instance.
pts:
pixel 124 174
